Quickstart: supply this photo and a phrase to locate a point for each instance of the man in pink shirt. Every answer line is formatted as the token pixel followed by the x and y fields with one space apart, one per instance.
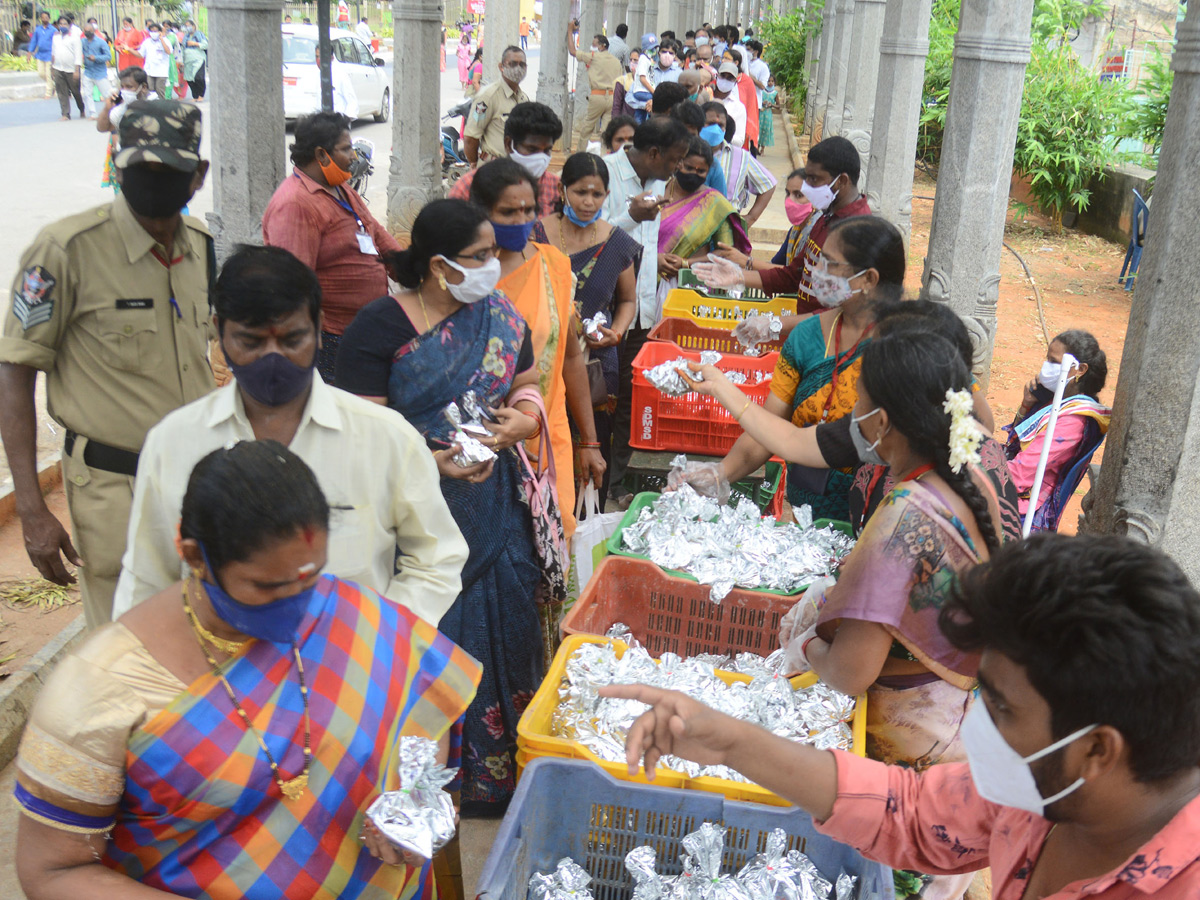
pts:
pixel 323 222
pixel 1084 755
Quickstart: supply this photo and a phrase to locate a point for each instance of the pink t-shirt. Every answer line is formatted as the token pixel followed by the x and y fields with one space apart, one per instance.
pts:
pixel 935 822
pixel 1068 435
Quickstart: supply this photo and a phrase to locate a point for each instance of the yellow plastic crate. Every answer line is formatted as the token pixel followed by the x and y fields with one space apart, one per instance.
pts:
pixel 534 737
pixel 721 312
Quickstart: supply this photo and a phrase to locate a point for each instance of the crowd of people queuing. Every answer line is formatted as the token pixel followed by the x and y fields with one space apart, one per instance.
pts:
pixel 285 564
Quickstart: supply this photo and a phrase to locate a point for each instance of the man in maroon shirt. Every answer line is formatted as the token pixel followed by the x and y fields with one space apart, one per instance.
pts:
pixel 321 220
pixel 831 185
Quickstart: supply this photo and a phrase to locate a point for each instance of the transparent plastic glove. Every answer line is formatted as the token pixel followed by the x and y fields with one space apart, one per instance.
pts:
pixel 722 274
pixel 804 614
pixel 705 478
pixel 794 661
pixel 757 329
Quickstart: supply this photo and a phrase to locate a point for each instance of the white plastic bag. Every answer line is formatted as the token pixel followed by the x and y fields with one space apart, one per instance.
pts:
pixel 587 544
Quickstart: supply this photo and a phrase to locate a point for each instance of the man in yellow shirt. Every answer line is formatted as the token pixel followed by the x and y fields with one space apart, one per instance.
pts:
pixel 603 71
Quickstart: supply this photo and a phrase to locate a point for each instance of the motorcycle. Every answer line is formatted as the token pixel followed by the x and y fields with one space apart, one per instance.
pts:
pixel 454 160
pixel 362 169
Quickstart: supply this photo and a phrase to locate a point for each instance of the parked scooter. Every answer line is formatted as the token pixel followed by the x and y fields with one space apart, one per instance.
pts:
pixel 454 160
pixel 362 169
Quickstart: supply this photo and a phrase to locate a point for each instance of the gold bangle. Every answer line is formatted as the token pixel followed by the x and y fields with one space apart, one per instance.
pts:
pixel 742 411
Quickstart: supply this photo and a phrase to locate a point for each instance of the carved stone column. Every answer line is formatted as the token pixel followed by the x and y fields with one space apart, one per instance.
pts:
pixel 991 51
pixel 1151 470
pixel 552 65
pixel 500 24
pixel 618 12
pixel 636 20
pixel 897 117
pixel 244 117
pixel 415 173
pixel 863 77
pixel 839 68
pixel 818 85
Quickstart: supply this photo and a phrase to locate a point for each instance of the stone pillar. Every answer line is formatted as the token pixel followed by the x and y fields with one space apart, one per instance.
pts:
pixel 636 20
pixel 839 68
pixel 589 24
pixel 618 12
pixel 898 98
pixel 1147 484
pixel 244 117
pixel 991 51
pixel 500 23
pixel 415 173
pixel 552 64
pixel 859 106
pixel 818 84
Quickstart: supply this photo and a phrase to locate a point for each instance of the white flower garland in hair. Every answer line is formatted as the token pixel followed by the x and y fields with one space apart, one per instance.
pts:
pixel 965 437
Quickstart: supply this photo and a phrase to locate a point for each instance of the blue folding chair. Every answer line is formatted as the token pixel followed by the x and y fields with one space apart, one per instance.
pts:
pixel 1133 256
pixel 1047 516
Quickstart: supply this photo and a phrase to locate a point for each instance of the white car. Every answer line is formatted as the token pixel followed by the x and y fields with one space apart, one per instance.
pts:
pixel 362 70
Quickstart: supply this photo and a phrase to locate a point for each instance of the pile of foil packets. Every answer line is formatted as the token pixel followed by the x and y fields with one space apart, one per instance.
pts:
pixel 816 715
pixel 734 546
pixel 776 874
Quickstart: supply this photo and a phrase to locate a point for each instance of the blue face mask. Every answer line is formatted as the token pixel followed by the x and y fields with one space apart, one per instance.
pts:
pixel 512 237
pixel 277 621
pixel 713 135
pixel 569 212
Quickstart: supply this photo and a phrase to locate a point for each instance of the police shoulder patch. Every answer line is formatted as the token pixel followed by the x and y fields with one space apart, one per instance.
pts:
pixel 34 302
pixel 481 109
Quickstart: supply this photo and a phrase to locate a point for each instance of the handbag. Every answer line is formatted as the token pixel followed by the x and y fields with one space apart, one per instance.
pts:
pixel 549 540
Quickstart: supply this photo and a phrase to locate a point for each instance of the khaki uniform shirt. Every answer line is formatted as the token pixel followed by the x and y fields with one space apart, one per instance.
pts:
pixel 603 68
pixel 488 115
pixel 120 331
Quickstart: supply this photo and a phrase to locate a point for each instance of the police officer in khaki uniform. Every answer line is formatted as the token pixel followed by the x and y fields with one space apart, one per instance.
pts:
pixel 603 70
pixel 483 138
pixel 112 304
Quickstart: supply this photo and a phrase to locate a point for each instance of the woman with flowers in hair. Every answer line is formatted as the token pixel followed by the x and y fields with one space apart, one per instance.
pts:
pixel 876 627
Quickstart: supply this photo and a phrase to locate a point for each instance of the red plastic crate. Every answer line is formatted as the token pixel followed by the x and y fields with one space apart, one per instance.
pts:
pixel 690 336
pixel 674 615
pixel 693 423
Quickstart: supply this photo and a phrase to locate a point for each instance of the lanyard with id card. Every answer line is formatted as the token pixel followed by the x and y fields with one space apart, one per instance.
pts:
pixel 365 242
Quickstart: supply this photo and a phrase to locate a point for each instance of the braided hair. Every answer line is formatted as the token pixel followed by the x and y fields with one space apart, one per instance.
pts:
pixel 908 375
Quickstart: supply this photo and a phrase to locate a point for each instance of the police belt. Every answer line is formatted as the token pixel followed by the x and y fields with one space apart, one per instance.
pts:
pixel 102 456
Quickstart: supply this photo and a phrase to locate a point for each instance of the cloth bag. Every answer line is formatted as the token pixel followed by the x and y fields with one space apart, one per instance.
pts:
pixel 549 539
pixel 588 545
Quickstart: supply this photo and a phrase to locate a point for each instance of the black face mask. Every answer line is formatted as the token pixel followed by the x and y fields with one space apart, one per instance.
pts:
pixel 156 194
pixel 690 182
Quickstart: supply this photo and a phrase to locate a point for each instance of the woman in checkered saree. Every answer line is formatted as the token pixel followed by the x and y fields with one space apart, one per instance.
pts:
pixel 216 748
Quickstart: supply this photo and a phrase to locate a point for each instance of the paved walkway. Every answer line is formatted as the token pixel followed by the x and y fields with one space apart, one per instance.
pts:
pixel 772 226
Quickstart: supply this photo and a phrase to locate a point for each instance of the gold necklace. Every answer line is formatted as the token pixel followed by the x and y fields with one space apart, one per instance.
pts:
pixel 424 311
pixel 226 646
pixel 562 233
pixel 293 788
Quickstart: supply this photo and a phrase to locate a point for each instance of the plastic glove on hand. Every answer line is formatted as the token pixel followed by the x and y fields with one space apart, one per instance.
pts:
pixel 794 661
pixel 720 273
pixel 705 478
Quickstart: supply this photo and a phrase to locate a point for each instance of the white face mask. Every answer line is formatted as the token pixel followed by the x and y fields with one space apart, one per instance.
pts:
pixel 1002 775
pixel 828 289
pixel 701 41
pixel 128 96
pixel 477 283
pixel 726 85
pixel 1048 377
pixel 535 163
pixel 820 197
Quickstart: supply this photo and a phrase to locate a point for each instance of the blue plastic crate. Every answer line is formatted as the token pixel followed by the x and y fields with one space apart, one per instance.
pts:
pixel 571 808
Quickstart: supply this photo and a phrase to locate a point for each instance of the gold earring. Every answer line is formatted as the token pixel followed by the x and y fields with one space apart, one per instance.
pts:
pixel 442 281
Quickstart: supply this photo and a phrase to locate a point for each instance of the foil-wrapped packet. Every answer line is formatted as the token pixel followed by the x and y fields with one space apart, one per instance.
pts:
pixel 771 875
pixel 466 420
pixel 420 815
pixel 705 848
pixel 568 881
pixel 845 886
pixel 665 376
pixel 592 325
pixel 641 864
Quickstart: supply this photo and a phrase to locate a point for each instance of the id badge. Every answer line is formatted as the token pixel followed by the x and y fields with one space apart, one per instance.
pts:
pixel 365 244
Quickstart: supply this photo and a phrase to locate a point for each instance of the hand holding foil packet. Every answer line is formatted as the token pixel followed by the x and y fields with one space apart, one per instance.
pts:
pixel 757 329
pixel 665 376
pixel 466 418
pixel 420 815
pixel 592 326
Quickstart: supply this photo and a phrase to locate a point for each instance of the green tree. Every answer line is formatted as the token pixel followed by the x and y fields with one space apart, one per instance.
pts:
pixel 785 43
